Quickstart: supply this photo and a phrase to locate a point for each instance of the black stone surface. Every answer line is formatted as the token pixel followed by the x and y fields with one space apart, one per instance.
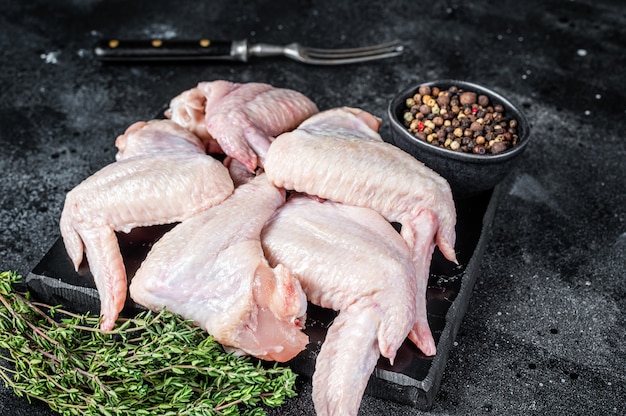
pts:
pixel 545 328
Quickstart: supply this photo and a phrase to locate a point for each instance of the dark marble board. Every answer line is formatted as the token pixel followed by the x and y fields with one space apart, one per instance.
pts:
pixel 413 379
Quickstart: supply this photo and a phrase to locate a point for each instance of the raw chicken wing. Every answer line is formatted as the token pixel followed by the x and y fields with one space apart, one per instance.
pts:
pixel 240 119
pixel 211 269
pixel 352 260
pixel 162 176
pixel 338 155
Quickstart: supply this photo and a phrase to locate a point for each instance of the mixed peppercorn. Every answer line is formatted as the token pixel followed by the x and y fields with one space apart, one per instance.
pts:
pixel 459 120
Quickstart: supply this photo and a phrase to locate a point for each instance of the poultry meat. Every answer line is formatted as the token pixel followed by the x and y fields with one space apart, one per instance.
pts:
pixel 240 120
pixel 162 176
pixel 338 155
pixel 211 269
pixel 352 260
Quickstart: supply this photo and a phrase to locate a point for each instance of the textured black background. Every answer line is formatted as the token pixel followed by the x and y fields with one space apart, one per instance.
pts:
pixel 544 333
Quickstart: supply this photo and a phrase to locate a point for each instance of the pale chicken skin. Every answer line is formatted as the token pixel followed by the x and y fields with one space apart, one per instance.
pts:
pixel 162 176
pixel 352 260
pixel 241 120
pixel 338 155
pixel 211 269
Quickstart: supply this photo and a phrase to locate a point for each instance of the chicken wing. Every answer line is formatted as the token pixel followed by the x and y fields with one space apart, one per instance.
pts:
pixel 338 155
pixel 211 269
pixel 162 176
pixel 352 260
pixel 240 119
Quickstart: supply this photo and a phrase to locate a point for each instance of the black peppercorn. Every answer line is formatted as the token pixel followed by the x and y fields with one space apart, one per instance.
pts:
pixel 424 90
pixel 443 100
pixel 425 109
pixel 460 120
pixel 498 147
pixel 479 150
pixel 468 98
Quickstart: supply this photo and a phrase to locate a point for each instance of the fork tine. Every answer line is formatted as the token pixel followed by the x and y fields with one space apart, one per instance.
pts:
pixel 383 48
pixel 354 54
pixel 316 56
pixel 344 61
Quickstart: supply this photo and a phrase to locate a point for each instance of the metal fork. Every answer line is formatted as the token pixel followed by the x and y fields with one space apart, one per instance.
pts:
pixel 318 56
pixel 238 50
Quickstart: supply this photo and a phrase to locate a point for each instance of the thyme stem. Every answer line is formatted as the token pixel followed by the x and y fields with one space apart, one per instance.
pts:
pixel 151 364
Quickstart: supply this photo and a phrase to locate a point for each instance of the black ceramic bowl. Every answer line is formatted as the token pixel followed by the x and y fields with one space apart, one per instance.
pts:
pixel 467 173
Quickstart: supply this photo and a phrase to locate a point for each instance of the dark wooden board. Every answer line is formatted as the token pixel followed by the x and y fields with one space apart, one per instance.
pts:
pixel 413 379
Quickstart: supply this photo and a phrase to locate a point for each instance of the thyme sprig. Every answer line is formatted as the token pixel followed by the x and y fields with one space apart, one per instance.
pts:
pixel 151 364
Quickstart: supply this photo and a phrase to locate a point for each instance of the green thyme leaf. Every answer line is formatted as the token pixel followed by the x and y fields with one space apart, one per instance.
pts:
pixel 152 364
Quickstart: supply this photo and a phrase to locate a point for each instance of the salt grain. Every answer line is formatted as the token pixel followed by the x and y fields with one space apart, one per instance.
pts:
pixel 51 57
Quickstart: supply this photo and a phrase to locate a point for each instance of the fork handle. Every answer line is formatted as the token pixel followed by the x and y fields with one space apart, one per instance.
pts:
pixel 171 50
